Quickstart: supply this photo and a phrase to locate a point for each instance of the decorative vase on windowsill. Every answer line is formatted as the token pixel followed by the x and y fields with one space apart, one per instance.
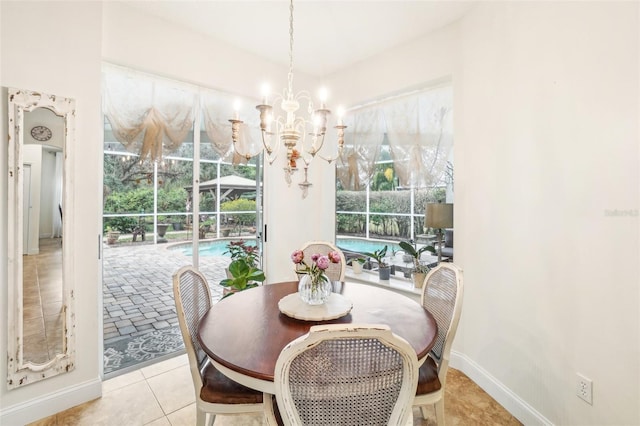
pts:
pixel 314 287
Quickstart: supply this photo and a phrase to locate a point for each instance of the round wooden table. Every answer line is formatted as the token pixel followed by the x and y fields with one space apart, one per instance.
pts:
pixel 244 334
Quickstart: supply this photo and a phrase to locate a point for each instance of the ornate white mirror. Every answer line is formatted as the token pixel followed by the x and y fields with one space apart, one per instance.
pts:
pixel 40 288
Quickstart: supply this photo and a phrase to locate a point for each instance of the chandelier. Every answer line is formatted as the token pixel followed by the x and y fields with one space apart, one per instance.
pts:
pixel 302 137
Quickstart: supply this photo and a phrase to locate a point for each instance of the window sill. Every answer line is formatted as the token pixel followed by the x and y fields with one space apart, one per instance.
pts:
pixel 399 285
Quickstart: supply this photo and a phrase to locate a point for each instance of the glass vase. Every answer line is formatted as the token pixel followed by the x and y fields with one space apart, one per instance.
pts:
pixel 314 292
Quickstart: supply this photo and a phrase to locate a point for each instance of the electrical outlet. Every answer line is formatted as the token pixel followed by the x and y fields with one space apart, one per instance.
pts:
pixel 584 388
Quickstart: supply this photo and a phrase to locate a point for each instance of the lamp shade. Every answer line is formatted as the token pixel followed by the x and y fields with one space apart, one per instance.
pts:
pixel 439 215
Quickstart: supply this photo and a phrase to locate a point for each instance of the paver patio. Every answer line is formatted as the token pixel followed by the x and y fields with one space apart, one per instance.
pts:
pixel 138 294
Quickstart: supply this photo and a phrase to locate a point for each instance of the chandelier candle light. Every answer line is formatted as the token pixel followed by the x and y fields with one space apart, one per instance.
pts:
pixel 291 130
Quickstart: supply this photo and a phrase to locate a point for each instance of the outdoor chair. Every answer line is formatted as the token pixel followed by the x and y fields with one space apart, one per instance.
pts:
pixel 215 393
pixel 442 296
pixel 344 374
pixel 335 271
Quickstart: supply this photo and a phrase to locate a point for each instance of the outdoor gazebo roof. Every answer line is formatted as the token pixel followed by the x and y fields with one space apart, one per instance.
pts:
pixel 230 186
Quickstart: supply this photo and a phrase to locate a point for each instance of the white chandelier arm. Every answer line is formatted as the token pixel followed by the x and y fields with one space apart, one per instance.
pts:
pixel 340 128
pixel 270 153
pixel 235 133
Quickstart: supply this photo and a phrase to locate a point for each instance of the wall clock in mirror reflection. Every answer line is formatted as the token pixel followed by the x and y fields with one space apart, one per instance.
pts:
pixel 41 133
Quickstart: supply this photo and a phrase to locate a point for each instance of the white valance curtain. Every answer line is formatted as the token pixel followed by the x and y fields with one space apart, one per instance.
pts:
pixel 357 163
pixel 418 129
pixel 217 110
pixel 149 116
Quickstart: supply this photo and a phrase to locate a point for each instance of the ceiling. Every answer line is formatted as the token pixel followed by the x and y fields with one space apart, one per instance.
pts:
pixel 328 35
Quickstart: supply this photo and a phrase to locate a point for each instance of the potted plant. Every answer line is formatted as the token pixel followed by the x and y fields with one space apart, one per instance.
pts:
pixel 112 235
pixel 384 271
pixel 419 269
pixel 356 264
pixel 205 227
pixel 240 250
pixel 243 276
pixel 243 271
pixel 177 224
pixel 419 273
pixel 161 229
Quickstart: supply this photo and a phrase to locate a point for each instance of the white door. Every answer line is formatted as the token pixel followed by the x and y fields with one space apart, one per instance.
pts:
pixel 26 207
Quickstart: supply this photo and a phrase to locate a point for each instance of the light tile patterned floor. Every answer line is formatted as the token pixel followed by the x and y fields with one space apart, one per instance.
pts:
pixel 162 394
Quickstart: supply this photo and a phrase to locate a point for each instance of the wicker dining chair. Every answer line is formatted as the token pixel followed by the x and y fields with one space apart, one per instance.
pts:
pixel 345 374
pixel 215 393
pixel 442 296
pixel 335 271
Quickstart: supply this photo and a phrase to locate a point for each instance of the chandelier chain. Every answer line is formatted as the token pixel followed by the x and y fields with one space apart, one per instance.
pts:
pixel 290 76
pixel 291 130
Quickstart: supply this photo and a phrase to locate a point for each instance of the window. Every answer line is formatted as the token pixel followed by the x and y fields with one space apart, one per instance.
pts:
pixel 397 158
pixel 151 151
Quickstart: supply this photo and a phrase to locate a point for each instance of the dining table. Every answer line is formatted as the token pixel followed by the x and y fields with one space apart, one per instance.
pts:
pixel 244 333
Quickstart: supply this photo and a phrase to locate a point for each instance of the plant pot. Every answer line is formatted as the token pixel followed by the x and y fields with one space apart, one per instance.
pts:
pixel 202 232
pixel 357 267
pixel 112 237
pixel 418 279
pixel 225 232
pixel 407 258
pixel 161 228
pixel 177 226
pixel 384 273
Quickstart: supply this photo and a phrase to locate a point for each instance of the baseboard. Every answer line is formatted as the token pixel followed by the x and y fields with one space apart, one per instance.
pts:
pixel 44 406
pixel 498 391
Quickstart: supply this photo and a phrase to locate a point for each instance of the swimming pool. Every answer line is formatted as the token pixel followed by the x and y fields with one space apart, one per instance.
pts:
pixel 361 245
pixel 209 248
pixel 218 247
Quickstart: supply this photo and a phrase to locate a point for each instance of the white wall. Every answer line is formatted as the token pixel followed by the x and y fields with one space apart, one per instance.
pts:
pixel 67 64
pixel 546 148
pixel 550 96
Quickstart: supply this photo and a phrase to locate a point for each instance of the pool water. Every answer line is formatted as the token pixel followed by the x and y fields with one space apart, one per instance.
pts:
pixel 361 245
pixel 210 248
pixel 219 247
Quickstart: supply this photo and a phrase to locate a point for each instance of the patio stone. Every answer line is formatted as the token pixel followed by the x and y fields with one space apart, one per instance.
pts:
pixel 127 330
pixel 161 324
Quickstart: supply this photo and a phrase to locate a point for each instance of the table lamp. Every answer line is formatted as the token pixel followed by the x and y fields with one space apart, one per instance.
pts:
pixel 439 216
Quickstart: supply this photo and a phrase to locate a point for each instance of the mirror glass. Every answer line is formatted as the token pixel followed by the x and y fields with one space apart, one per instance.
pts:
pixel 40 319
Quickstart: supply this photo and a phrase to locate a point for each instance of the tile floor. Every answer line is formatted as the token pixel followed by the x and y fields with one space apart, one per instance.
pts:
pixel 162 395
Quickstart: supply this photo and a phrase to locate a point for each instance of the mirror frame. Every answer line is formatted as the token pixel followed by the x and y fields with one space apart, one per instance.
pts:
pixel 19 372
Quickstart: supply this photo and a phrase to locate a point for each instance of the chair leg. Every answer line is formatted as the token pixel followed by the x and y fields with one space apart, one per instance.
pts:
pixel 423 411
pixel 201 418
pixel 440 412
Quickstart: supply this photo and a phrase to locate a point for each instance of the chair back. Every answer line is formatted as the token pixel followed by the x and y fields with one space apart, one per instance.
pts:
pixel 346 374
pixel 335 271
pixel 193 300
pixel 442 297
